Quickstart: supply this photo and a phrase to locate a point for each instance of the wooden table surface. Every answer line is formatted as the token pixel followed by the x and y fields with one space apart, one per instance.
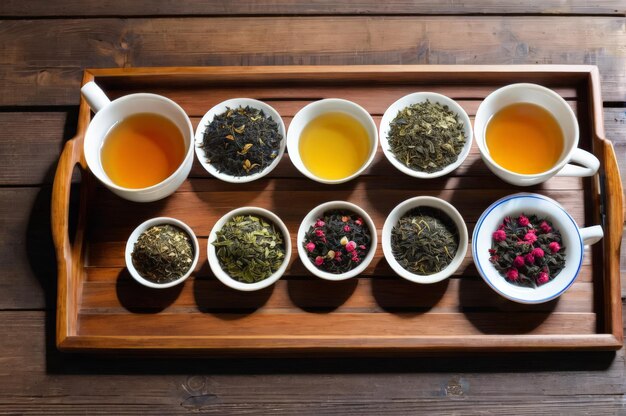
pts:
pixel 45 47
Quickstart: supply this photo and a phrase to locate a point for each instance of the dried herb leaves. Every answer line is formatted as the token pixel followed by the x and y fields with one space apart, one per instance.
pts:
pixel 249 248
pixel 163 253
pixel 241 141
pixel 426 136
pixel 424 241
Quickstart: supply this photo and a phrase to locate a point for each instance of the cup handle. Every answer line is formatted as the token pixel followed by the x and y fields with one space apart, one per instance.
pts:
pixel 96 98
pixel 591 235
pixel 590 164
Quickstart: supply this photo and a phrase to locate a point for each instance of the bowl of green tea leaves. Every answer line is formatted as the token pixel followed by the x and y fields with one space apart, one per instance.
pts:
pixel 162 252
pixel 424 239
pixel 249 248
pixel 337 240
pixel 425 135
pixel 240 140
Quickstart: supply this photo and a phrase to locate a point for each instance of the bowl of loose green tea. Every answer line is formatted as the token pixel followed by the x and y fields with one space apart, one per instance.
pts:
pixel 424 239
pixel 162 252
pixel 425 135
pixel 240 140
pixel 337 240
pixel 249 248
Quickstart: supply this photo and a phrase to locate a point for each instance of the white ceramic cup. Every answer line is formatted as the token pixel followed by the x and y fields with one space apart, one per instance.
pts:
pixel 425 201
pixel 316 109
pixel 573 239
pixel 108 113
pixel 419 97
pixel 564 115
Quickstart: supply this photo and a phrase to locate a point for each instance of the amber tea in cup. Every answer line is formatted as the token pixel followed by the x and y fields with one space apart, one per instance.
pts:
pixel 142 150
pixel 524 138
pixel 334 145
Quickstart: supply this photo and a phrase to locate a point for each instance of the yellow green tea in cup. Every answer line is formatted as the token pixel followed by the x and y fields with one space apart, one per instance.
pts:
pixel 334 146
pixel 524 138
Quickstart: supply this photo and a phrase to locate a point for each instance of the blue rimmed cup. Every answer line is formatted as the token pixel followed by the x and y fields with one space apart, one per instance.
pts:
pixel 573 237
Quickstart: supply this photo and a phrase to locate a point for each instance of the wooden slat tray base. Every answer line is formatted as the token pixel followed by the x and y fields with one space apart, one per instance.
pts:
pixel 101 308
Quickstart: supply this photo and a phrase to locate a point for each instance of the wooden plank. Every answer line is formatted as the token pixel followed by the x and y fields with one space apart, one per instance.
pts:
pixel 343 328
pixel 28 272
pixel 197 100
pixel 42 8
pixel 30 145
pixel 114 292
pixel 291 203
pixel 50 75
pixel 37 379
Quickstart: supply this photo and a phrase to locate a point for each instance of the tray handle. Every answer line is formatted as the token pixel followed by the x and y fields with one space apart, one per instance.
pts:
pixel 613 200
pixel 61 203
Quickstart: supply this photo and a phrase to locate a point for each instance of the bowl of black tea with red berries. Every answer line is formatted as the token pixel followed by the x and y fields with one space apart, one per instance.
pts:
pixel 337 240
pixel 425 239
pixel 249 249
pixel 528 248
pixel 162 252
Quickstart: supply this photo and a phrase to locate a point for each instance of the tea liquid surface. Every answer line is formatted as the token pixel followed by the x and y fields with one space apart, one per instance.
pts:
pixel 142 150
pixel 524 138
pixel 334 146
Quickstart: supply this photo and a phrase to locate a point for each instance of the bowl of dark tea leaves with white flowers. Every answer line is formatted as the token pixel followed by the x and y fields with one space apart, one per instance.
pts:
pixel 240 140
pixel 424 239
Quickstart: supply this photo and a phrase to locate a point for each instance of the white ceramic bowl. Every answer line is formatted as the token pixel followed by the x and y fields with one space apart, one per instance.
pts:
pixel 130 244
pixel 416 98
pixel 317 213
pixel 214 263
pixel 316 109
pixel 432 202
pixel 233 104
pixel 574 239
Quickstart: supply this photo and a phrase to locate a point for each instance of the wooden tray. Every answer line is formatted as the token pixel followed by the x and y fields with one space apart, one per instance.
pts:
pixel 101 308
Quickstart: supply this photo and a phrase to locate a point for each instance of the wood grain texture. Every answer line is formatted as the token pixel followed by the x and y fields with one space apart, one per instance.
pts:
pixel 43 66
pixel 27 276
pixel 42 8
pixel 615 128
pixel 37 379
pixel 30 145
pixel 33 70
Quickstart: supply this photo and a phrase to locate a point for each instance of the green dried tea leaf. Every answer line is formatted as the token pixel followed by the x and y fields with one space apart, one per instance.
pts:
pixel 249 248
pixel 424 241
pixel 426 136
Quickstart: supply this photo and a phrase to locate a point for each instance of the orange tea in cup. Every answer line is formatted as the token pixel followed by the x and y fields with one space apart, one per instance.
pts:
pixel 524 138
pixel 142 150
